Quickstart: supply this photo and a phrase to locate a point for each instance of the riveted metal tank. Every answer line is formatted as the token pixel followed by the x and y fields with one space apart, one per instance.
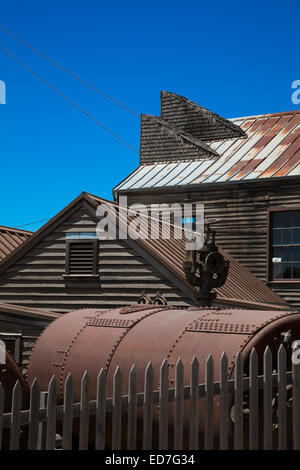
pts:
pixel 92 339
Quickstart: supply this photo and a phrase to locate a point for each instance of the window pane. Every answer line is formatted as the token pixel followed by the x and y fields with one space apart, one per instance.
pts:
pixel 286 271
pixel 286 237
pixel 296 253
pixel 276 270
pixel 287 253
pixel 277 252
pixel 276 237
pixel 296 271
pixel 296 235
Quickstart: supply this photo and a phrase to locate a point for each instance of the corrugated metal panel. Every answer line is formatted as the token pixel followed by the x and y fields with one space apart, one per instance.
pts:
pixel 10 239
pixel 272 149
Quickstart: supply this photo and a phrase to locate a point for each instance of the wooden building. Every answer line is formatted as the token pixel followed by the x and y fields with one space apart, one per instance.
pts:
pixel 64 266
pixel 246 172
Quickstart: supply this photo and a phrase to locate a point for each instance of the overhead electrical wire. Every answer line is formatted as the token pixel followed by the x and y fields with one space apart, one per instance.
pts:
pixel 83 111
pixel 67 71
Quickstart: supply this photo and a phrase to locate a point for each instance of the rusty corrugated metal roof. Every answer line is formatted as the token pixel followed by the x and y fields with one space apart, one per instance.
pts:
pixel 10 239
pixel 271 150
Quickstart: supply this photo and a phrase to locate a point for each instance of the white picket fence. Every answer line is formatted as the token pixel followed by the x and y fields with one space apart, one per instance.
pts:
pixel 251 410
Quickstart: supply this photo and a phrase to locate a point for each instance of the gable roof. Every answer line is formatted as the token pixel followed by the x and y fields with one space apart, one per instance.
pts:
pixel 241 288
pixel 271 150
pixel 10 239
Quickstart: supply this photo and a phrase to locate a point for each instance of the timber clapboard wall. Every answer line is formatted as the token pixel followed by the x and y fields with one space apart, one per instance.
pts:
pixel 37 278
pixel 242 211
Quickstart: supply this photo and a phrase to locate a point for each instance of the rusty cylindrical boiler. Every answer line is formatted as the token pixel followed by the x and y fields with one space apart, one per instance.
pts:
pixel 92 339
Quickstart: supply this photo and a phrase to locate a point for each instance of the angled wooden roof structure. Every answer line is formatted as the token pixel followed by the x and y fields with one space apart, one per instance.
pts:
pixel 242 288
pixel 271 150
pixel 10 239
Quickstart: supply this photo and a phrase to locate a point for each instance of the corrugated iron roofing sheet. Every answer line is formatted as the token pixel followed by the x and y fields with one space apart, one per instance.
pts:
pixel 10 239
pixel 271 150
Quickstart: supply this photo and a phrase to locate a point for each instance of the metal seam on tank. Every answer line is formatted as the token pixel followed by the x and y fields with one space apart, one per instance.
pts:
pixel 110 356
pixel 248 338
pixel 70 347
pixel 171 350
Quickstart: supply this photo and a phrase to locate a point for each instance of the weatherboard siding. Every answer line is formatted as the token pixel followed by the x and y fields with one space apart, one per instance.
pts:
pixel 36 280
pixel 243 227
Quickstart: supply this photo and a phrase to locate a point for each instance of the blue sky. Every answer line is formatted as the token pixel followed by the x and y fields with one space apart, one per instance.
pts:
pixel 234 58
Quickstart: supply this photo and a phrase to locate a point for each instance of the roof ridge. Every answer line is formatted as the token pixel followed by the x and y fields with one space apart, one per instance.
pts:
pixel 282 113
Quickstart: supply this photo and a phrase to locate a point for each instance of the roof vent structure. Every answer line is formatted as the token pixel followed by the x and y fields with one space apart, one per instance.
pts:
pixel 179 134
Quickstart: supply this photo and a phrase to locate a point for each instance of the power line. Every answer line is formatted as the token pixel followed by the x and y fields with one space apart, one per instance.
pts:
pixel 83 111
pixel 33 223
pixel 67 71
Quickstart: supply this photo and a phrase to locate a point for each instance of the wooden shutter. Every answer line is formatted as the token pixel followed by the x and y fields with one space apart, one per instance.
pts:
pixel 81 257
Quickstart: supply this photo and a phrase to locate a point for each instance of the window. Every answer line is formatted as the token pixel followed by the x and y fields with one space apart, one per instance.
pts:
pixel 12 344
pixel 284 245
pixel 81 257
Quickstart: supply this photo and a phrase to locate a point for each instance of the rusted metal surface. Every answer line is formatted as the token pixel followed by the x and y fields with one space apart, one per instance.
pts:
pixel 74 344
pixel 10 239
pixel 271 150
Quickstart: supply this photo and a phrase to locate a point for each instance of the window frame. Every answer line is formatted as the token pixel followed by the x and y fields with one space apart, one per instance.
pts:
pixel 271 210
pixel 94 242
pixel 16 337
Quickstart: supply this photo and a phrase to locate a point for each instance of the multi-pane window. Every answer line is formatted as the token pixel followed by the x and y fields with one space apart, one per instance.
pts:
pixel 285 245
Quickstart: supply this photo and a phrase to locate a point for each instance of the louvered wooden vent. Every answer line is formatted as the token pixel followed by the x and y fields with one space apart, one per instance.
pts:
pixel 81 257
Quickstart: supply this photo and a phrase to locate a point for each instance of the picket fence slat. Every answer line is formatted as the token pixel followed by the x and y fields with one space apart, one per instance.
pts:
pixel 163 406
pixel 84 412
pixel 296 403
pixel 147 407
pixel 35 394
pixel 238 402
pixel 281 402
pixel 209 403
pixel 267 399
pixel 194 405
pixel 253 401
pixel 100 411
pixel 1 413
pixel 117 410
pixel 132 409
pixel 223 402
pixel 178 405
pixel 51 415
pixel 68 412
pixel 16 417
